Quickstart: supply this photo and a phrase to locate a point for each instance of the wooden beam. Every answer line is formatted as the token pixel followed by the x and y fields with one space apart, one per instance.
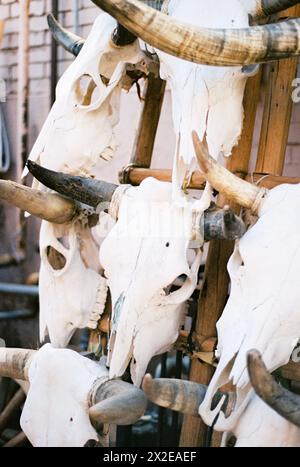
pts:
pixel 277 113
pixel 144 144
pixel 135 177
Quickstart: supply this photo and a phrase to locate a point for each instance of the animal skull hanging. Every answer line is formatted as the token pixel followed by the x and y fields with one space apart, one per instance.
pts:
pixel 72 292
pixel 150 242
pixel 70 397
pixel 263 308
pixel 208 99
pixel 78 135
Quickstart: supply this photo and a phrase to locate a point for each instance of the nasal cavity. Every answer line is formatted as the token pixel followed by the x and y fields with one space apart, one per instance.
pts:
pixel 86 91
pixel 56 260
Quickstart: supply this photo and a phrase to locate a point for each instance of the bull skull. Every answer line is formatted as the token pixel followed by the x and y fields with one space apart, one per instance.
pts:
pixel 67 255
pixel 207 98
pixel 262 311
pixel 69 397
pixel 150 242
pixel 87 98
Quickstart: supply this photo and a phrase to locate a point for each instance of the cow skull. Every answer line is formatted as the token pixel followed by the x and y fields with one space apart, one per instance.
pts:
pixel 209 99
pixel 87 99
pixel 205 97
pixel 262 311
pixel 72 292
pixel 150 242
pixel 70 397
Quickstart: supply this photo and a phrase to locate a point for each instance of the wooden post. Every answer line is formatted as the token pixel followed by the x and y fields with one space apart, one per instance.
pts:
pixel 144 144
pixel 215 287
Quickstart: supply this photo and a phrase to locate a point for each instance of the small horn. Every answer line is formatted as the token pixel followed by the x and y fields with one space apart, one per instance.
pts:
pixel 70 41
pixel 235 189
pixel 183 396
pixel 86 190
pixel 284 402
pixel 50 207
pixel 208 46
pixel 222 224
pixel 15 363
pixel 117 402
pixel 174 394
pixel 265 8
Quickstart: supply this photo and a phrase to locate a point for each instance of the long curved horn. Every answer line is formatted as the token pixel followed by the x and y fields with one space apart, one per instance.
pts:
pixel 222 224
pixel 50 207
pixel 86 190
pixel 280 399
pixel 182 396
pixel 70 41
pixel 221 47
pixel 116 402
pixel 14 363
pixel 270 7
pixel 235 189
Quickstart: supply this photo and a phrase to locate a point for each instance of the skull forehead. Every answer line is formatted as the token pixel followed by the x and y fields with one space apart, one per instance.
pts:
pixel 261 426
pixel 56 408
pixel 152 229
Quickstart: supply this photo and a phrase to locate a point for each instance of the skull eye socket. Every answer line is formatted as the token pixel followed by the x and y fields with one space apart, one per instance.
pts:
pixel 56 260
pixel 86 91
pixel 176 284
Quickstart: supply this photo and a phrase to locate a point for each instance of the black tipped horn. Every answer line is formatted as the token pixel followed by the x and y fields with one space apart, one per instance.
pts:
pixel 85 190
pixel 284 402
pixel 222 224
pixel 70 41
pixel 117 402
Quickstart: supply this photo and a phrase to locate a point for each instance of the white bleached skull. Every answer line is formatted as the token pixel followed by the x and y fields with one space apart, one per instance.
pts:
pixel 78 135
pixel 263 310
pixel 55 413
pixel 207 99
pixel 72 292
pixel 145 252
pixel 261 426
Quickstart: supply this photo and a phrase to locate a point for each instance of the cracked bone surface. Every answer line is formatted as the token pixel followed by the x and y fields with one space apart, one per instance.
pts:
pixel 78 137
pixel 69 396
pixel 151 234
pixel 87 103
pixel 262 311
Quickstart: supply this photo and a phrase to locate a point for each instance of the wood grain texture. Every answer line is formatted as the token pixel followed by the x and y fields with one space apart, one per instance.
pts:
pixel 144 144
pixel 277 113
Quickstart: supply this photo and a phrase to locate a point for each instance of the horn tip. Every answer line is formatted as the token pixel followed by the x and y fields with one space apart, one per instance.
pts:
pixel 147 383
pixel 201 152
